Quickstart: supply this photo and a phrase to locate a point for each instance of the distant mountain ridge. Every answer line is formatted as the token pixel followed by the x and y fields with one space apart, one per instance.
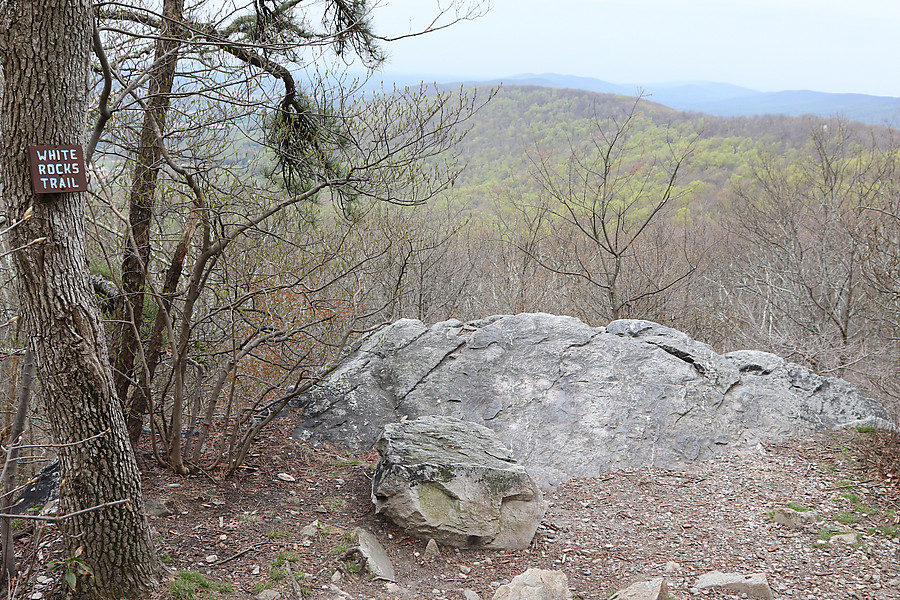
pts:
pixel 728 100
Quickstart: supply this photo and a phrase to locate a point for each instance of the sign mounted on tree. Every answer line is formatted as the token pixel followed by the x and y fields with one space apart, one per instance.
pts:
pixel 57 169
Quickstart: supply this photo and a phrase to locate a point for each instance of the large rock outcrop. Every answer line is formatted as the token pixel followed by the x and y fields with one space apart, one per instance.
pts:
pixel 572 400
pixel 452 481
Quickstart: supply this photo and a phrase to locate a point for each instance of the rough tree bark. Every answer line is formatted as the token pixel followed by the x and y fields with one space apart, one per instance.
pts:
pixel 44 50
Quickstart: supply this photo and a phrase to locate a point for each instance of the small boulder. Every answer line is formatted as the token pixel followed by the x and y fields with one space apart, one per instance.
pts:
pixel 755 585
pixel 536 584
pixel 42 489
pixel 377 562
pixel 452 480
pixel 794 518
pixel 336 593
pixel 155 508
pixel 657 589
pixel 432 549
pixel 310 530
pixel 397 591
pixel 850 539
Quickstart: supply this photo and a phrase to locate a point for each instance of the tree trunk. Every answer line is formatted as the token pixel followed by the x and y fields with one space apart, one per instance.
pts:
pixel 141 399
pixel 141 201
pixel 44 52
pixel 10 468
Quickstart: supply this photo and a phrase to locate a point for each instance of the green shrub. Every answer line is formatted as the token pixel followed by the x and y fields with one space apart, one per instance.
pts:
pixel 847 518
pixel 888 531
pixel 283 557
pixel 187 585
pixel 827 533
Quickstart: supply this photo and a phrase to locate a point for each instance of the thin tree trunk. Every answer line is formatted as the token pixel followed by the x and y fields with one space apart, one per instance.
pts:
pixel 141 403
pixel 10 467
pixel 44 50
pixel 141 198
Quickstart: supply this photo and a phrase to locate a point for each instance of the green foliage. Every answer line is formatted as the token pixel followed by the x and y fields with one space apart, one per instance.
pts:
pixel 798 507
pixel 352 567
pixel 856 505
pixel 847 517
pixel 865 429
pixel 275 534
pixel 826 533
pixel 189 585
pixel 864 510
pixel 333 504
pixel 501 143
pixel 102 268
pixel 73 569
pixel 283 557
pixel 888 531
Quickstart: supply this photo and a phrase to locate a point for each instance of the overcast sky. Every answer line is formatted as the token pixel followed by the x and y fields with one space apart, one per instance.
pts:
pixel 768 45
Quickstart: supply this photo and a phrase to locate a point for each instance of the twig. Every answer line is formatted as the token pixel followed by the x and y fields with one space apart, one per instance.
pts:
pixel 59 518
pixel 28 212
pixel 23 246
pixel 239 554
pixel 93 437
pixel 204 473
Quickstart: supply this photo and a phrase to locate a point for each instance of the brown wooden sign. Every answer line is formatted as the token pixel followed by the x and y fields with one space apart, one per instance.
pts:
pixel 57 169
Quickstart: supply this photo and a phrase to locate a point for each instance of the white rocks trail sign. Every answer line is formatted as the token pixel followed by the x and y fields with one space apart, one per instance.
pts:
pixel 57 169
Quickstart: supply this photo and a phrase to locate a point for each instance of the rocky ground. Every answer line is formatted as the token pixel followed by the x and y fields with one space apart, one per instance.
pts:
pixel 253 532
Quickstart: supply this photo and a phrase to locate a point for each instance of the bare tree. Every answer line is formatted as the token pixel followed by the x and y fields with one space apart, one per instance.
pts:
pixel 602 216
pixel 801 229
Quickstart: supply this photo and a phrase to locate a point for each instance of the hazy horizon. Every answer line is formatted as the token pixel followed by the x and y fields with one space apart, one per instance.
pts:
pixel 764 45
pixel 429 78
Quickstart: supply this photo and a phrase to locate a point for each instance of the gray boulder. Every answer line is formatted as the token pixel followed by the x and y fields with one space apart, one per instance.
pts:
pixel 40 491
pixel 155 508
pixel 536 584
pixel 794 518
pixel 754 586
pixel 451 481
pixel 378 564
pixel 572 400
pixel 656 589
